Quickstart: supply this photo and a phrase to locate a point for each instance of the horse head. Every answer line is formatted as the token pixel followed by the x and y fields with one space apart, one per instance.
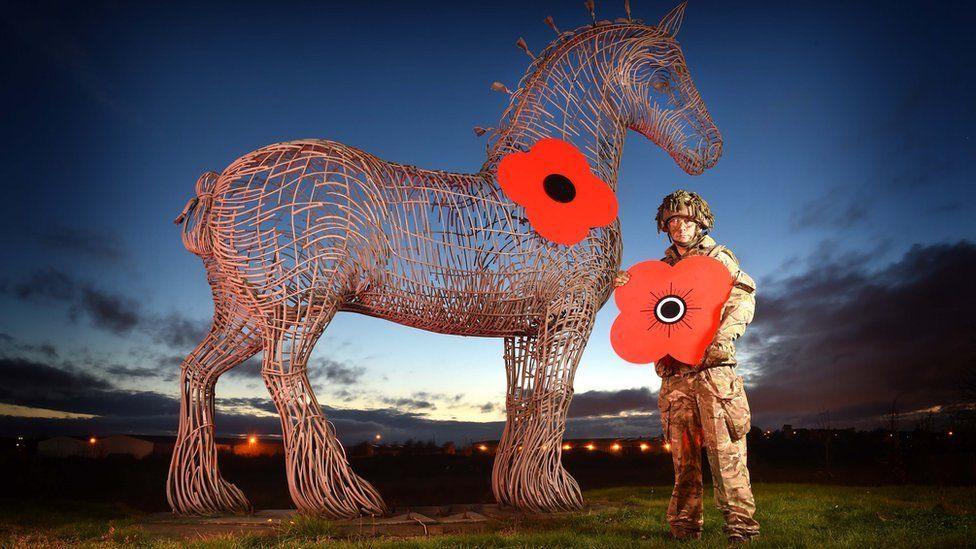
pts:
pixel 660 100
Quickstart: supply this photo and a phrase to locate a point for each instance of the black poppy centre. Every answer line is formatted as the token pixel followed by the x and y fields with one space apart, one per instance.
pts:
pixel 559 188
pixel 670 309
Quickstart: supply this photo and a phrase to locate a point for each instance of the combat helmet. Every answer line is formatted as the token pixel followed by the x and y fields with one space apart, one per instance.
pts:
pixel 682 202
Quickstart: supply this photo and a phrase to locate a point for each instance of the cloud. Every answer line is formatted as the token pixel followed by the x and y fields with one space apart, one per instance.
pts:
pixel 109 311
pixel 848 339
pixel 408 403
pixel 112 312
pixel 65 388
pixel 613 403
pixel 344 395
pixel 925 143
pixel 340 373
pixel 843 335
pixel 247 404
pixel 46 284
pixel 128 372
pixel 121 315
pixel 46 350
pixel 39 385
pixel 249 369
pixel 95 245
pixel 177 331
pixel 835 210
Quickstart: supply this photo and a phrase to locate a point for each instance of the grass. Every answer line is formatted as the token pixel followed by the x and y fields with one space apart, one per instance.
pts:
pixel 791 515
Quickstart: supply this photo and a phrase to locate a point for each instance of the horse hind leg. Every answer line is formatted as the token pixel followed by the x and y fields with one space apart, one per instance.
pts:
pixel 194 484
pixel 320 479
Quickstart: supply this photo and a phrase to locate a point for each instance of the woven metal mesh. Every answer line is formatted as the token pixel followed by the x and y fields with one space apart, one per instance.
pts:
pixel 295 232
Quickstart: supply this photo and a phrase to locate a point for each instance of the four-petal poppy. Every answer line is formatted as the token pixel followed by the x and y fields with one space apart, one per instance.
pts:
pixel 561 196
pixel 667 310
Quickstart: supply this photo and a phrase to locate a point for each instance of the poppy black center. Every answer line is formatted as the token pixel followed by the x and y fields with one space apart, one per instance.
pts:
pixel 559 188
pixel 670 309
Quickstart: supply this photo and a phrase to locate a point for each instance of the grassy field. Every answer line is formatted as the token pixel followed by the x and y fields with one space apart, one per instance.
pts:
pixel 791 515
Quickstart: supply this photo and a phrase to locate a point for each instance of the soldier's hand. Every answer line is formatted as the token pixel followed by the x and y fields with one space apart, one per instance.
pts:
pixel 622 278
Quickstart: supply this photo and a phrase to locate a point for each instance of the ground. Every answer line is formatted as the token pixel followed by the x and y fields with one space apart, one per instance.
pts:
pixel 791 515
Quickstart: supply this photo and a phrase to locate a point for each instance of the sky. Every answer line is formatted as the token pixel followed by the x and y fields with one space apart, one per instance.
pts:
pixel 845 190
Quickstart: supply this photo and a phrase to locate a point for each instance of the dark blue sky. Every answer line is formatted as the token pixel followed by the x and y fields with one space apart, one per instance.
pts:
pixel 849 144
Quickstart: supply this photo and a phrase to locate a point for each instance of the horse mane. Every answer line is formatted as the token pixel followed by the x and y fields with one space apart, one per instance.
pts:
pixel 581 32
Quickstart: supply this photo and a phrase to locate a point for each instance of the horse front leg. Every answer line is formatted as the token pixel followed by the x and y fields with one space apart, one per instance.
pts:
pixel 528 472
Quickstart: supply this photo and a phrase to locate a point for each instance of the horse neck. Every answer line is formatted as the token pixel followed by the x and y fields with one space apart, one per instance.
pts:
pixel 552 103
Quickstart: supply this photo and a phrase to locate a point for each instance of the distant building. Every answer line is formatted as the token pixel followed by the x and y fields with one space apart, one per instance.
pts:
pixel 96 447
pixel 254 447
pixel 122 445
pixel 65 447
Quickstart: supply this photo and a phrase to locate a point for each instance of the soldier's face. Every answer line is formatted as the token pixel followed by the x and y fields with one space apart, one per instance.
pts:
pixel 682 230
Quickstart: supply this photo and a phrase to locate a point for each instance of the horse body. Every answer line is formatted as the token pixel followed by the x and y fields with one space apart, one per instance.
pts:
pixel 295 232
pixel 444 252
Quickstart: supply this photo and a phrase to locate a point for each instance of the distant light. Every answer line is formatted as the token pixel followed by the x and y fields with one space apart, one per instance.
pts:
pixel 92 440
pixel 252 439
pixel 567 446
pixel 378 436
pixel 667 446
pixel 590 446
pixel 950 433
pixel 614 447
pixel 482 447
pixel 644 446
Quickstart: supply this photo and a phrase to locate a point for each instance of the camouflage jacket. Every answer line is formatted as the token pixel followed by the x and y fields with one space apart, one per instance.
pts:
pixel 736 315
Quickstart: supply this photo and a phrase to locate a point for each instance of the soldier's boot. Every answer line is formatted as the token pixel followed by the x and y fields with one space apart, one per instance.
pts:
pixel 682 535
pixel 739 539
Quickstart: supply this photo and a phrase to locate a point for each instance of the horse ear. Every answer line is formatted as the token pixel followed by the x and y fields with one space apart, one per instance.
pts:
pixel 671 23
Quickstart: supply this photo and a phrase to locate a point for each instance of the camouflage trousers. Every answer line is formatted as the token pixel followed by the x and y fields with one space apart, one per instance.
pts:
pixel 708 408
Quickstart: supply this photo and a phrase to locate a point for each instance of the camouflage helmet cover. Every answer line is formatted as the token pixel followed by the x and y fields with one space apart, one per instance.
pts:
pixel 682 202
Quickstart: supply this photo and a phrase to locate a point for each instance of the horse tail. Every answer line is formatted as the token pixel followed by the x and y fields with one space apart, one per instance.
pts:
pixel 196 216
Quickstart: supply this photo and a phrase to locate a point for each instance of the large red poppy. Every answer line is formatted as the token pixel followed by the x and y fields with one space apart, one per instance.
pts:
pixel 667 310
pixel 561 196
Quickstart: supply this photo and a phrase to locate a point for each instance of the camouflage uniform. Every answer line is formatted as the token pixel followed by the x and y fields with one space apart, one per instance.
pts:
pixel 706 406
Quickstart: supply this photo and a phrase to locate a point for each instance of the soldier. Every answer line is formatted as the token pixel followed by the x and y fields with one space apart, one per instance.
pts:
pixel 705 404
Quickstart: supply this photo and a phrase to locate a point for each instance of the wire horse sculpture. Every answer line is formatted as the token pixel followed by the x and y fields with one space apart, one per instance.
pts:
pixel 295 232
